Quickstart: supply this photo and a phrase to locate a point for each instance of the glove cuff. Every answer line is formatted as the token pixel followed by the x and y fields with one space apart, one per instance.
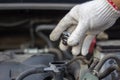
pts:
pixel 105 8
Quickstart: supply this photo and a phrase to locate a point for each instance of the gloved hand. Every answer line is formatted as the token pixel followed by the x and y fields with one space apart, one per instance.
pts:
pixel 84 22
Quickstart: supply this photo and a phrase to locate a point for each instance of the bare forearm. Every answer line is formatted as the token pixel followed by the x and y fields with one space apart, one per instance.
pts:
pixel 117 3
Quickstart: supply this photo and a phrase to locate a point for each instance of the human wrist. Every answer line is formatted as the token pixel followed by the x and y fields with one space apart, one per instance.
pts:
pixel 113 4
pixel 117 3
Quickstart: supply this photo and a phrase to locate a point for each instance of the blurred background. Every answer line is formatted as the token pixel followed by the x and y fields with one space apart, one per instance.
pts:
pixel 25 26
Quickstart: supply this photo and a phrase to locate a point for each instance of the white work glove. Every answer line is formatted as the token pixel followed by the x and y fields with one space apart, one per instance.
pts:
pixel 84 22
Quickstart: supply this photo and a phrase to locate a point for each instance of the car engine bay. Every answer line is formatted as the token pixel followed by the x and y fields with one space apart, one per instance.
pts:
pixel 26 51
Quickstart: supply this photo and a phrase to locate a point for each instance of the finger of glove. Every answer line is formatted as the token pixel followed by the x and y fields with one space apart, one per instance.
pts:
pixel 77 49
pixel 78 34
pixel 62 26
pixel 61 45
pixel 86 44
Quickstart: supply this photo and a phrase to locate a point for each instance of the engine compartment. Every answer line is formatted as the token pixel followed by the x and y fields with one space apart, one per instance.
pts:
pixel 25 44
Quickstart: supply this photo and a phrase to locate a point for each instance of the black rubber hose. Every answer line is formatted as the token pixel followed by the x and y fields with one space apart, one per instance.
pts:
pixel 108 71
pixel 56 52
pixel 40 34
pixel 14 23
pixel 109 56
pixel 45 27
pixel 30 72
pixel 32 36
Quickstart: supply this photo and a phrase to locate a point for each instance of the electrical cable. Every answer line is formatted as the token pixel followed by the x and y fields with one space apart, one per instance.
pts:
pixel 82 58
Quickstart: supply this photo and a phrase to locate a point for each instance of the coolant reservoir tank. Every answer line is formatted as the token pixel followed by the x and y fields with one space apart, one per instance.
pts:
pixel 89 76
